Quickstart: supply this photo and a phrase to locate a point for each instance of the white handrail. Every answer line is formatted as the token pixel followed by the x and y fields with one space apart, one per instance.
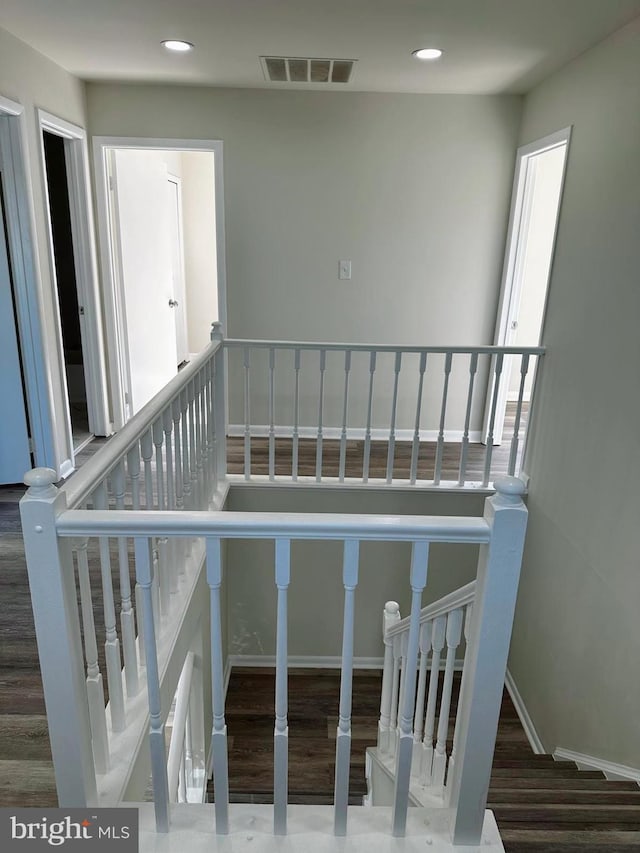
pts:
pixel 363 347
pixel 176 744
pixel 266 525
pixel 80 486
pixel 454 600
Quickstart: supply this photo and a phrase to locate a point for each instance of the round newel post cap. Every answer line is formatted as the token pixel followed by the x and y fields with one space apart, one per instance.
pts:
pixel 509 490
pixel 216 331
pixel 391 608
pixel 41 482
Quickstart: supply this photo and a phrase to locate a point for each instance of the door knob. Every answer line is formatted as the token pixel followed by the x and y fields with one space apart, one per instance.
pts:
pixel 173 303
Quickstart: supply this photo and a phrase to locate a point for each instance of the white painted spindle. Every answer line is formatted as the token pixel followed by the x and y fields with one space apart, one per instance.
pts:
pixel 193 449
pixel 177 449
pixel 144 577
pixel 158 439
pixel 390 616
pixel 419 561
pixel 391 450
pixel 492 419
pixel 272 405
pixel 415 447
pixel 395 694
pixel 464 450
pixel 219 733
pixel 296 415
pixel 246 363
pixel 454 628
pixel 112 643
pixel 323 364
pixel 133 467
pixel 345 406
pixel 186 441
pixel 451 766
pixel 127 615
pixel 437 644
pixel 418 718
pixel 146 451
pixel 343 734
pixel 219 405
pixel 437 473
pixel 95 689
pixel 367 435
pixel 281 732
pixel 513 454
pixel 175 773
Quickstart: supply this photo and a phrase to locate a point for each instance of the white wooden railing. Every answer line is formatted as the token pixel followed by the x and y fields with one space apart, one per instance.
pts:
pixel 158 485
pixel 373 393
pixel 444 625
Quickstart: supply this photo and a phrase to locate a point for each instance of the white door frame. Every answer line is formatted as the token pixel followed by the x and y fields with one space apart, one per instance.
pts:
pixel 511 286
pixel 85 262
pixel 176 180
pixel 112 291
pixel 20 223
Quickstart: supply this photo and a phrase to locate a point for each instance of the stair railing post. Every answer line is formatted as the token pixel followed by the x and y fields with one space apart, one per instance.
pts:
pixel 220 403
pixel 57 624
pixel 390 616
pixel 493 610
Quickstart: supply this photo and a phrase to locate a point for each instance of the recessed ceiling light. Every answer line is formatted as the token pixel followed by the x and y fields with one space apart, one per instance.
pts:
pixel 427 53
pixel 177 45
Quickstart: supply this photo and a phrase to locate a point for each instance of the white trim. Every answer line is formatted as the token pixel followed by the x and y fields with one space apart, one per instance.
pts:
pixel 21 228
pixel 113 312
pixel 527 723
pixel 513 397
pixel 353 433
pixel 613 772
pixel 306 482
pixel 86 273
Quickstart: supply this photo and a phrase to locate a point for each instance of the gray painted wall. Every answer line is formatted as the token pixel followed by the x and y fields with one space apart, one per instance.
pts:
pixel 316 593
pixel 413 189
pixel 576 642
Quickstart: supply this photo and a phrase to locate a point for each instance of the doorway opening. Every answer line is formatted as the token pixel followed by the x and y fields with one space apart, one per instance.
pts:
pixel 162 238
pixel 67 287
pixel 535 208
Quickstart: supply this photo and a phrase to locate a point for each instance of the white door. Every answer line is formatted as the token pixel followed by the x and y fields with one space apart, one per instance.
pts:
pixel 141 214
pixel 177 268
pixel 15 457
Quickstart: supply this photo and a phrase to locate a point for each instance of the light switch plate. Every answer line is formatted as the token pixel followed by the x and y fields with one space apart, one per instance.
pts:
pixel 344 270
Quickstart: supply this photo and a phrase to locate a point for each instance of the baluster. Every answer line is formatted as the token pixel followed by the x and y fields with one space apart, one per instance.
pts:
pixel 186 443
pixel 391 615
pixel 415 447
pixel 112 643
pixel 395 682
pixel 182 777
pixel 193 448
pixel 198 423
pixel 177 449
pixel 95 689
pixel 404 645
pixel 513 455
pixel 219 410
pixel 464 450
pixel 456 733
pixel 203 468
pixel 127 616
pixel 296 415
pixel 171 496
pixel 437 644
pixel 418 719
pixel 323 364
pixel 345 406
pixel 133 467
pixel 176 756
pixel 367 435
pixel 454 628
pixel 343 734
pixel 219 733
pixel 443 411
pixel 146 449
pixel 492 419
pixel 211 429
pixel 144 577
pixel 272 432
pixel 188 752
pixel 419 561
pixel 247 414
pixel 281 731
pixel 158 438
pixel 391 451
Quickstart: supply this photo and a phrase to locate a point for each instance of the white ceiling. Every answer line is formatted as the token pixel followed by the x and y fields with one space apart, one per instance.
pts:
pixel 490 46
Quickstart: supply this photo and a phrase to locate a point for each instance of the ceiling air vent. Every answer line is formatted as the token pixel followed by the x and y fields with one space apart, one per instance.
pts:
pixel 283 69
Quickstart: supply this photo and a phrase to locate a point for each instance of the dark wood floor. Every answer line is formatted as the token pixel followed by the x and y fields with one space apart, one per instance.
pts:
pixel 541 806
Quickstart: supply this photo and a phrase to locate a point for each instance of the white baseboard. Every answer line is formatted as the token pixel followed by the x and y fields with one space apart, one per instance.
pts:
pixel 527 723
pixel 353 433
pixel 614 772
pixel 514 396
pixel 303 661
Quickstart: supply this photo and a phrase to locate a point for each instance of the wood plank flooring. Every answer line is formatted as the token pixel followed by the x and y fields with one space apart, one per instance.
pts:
pixel 541 806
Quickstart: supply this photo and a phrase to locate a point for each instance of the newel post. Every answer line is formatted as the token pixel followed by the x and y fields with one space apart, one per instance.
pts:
pixel 390 616
pixel 220 402
pixel 55 611
pixel 486 662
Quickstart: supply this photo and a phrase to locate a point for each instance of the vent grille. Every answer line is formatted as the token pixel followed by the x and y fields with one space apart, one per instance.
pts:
pixel 294 69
